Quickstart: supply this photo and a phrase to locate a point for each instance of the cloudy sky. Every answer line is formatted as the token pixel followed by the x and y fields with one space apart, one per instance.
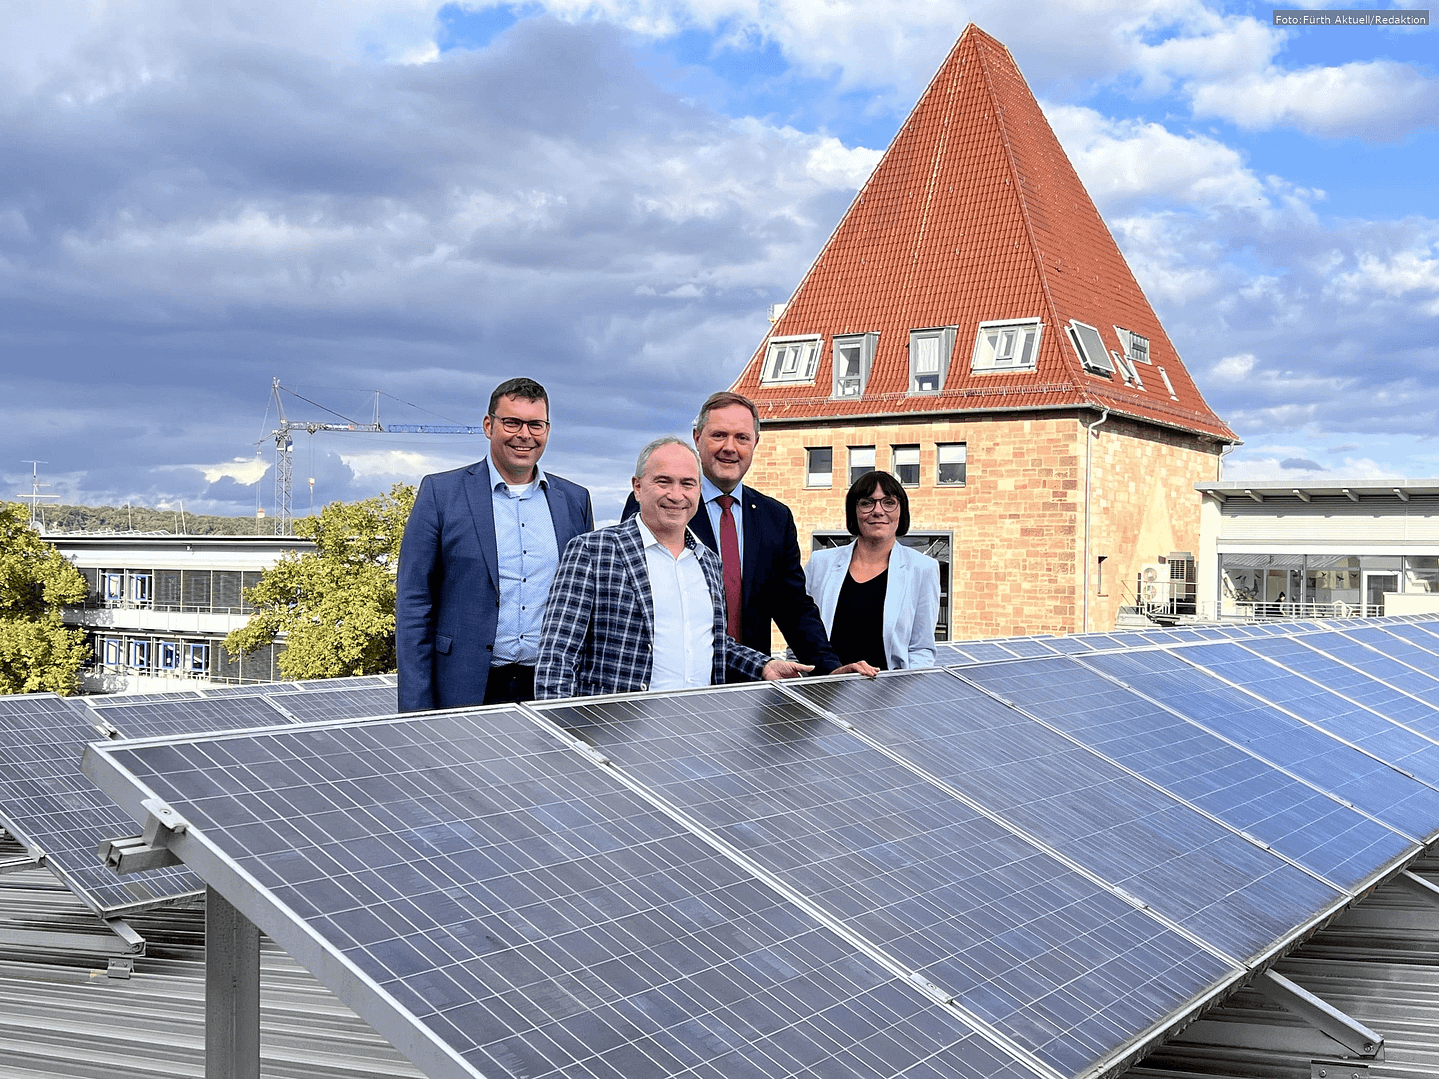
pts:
pixel 422 199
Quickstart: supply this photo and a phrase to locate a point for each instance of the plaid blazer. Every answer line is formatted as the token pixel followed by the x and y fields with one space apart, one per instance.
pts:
pixel 599 622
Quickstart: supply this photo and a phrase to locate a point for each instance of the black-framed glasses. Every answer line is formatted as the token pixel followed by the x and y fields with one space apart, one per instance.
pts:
pixel 865 505
pixel 513 424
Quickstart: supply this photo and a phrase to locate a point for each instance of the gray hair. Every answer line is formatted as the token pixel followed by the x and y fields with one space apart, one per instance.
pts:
pixel 667 440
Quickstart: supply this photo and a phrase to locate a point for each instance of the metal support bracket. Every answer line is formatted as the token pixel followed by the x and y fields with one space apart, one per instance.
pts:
pixel 1337 1069
pixel 150 850
pixel 232 991
pixel 22 863
pixel 1353 1035
pixel 1418 887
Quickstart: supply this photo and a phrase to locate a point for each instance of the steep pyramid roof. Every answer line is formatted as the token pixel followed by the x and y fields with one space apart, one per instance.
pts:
pixel 975 215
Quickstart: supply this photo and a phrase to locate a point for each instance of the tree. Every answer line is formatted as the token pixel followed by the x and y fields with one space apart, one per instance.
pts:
pixel 37 652
pixel 336 605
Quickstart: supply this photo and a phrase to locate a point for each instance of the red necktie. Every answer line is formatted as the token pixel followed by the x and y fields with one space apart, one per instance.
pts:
pixel 729 554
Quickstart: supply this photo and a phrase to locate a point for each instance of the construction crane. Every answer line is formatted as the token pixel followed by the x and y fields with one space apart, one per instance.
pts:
pixel 284 445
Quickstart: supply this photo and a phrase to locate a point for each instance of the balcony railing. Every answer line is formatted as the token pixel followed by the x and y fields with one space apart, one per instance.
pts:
pixel 1259 611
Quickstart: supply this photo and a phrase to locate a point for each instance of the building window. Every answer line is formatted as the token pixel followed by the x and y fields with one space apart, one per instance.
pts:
pixel 819 466
pixel 140 587
pixel 197 658
pixel 1090 346
pixel 1005 346
pixel 1136 346
pixel 110 652
pixel 169 655
pixel 853 357
pixel 791 359
pixel 906 465
pixel 115 587
pixel 929 353
pixel 140 654
pixel 1167 384
pixel 861 460
pixel 950 463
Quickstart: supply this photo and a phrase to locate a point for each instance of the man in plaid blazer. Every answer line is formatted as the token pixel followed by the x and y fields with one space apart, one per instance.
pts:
pixel 617 585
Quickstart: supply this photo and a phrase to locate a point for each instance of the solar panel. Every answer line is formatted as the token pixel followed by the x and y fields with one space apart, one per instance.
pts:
pixel 1354 683
pixel 1227 890
pixel 496 904
pixel 1070 645
pixel 983 651
pixel 372 700
pixel 1025 943
pixel 151 718
pixel 1310 700
pixel 1376 665
pixel 50 807
pixel 1375 787
pixel 1029 646
pixel 1418 636
pixel 1299 821
pixel 1395 647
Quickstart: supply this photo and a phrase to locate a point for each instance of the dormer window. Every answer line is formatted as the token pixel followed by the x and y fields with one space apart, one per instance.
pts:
pixel 791 359
pixel 1090 346
pixel 853 358
pixel 929 353
pixel 1136 346
pixel 1007 346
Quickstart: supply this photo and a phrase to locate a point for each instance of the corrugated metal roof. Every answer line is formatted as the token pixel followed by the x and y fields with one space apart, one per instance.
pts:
pixel 61 1017
pixel 976 214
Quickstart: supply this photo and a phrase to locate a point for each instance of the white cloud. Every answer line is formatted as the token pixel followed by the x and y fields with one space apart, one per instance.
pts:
pixel 243 470
pixel 1234 367
pixel 1379 100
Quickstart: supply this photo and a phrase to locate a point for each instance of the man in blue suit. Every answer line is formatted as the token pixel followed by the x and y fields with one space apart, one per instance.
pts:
pixel 755 537
pixel 479 553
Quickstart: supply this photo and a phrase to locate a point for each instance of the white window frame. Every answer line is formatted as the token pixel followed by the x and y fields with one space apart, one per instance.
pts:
pixel 1163 374
pixel 137 650
pixel 114 585
pixel 939 463
pixel 779 369
pixel 869 467
pixel 945 336
pixel 1130 340
pixel 867 343
pixel 169 656
pixel 1098 364
pixel 818 480
pixel 197 651
pixel 1127 370
pixel 895 464
pixel 141 588
pixel 112 652
pixel 986 359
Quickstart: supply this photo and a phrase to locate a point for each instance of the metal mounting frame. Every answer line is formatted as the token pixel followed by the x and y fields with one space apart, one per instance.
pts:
pixel 1353 1035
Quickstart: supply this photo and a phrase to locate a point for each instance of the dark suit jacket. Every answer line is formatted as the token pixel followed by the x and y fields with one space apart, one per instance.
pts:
pixel 447 598
pixel 773 579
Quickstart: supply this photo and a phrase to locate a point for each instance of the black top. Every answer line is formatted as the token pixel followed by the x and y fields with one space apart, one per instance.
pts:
pixel 859 621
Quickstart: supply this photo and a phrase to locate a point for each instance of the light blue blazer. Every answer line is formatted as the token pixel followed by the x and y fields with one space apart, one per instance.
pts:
pixel 911 600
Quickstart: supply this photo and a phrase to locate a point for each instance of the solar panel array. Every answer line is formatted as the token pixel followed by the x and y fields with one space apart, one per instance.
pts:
pixel 1035 862
pixel 49 806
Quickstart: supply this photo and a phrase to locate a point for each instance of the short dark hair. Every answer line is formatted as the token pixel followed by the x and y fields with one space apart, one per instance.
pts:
pixel 724 399
pixel 527 388
pixel 863 488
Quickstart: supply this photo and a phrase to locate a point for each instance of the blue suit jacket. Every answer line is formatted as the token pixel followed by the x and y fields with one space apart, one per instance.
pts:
pixel 447 598
pixel 600 621
pixel 772 579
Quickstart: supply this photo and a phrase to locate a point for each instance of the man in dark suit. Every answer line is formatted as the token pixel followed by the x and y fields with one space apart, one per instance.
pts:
pixel 479 553
pixel 755 537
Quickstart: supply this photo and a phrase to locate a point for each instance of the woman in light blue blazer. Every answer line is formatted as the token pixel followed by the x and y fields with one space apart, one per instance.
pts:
pixel 878 598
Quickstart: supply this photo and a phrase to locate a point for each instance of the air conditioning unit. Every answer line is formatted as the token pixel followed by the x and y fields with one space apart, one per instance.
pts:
pixel 1155 587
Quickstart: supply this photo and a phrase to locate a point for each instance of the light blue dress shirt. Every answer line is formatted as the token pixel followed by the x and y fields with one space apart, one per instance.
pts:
pixel 682 651
pixel 529 556
pixel 710 492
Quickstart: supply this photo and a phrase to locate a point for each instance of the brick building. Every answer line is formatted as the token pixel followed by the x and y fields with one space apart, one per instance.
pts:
pixel 966 326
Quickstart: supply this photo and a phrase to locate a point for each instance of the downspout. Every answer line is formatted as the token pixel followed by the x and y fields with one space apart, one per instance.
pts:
pixel 1089 437
pixel 1219 477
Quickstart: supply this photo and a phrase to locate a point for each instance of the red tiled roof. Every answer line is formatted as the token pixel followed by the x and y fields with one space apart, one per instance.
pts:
pixel 976 214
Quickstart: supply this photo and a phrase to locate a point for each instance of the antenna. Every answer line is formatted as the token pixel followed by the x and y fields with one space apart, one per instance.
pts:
pixel 35 494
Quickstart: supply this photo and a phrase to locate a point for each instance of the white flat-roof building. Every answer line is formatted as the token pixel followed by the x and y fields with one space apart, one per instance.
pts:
pixel 1343 547
pixel 159 605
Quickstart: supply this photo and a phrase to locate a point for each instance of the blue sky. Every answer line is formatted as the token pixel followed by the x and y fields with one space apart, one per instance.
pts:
pixel 423 199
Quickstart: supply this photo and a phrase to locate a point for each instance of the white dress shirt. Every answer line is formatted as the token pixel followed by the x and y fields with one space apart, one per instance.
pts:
pixel 709 492
pixel 683 644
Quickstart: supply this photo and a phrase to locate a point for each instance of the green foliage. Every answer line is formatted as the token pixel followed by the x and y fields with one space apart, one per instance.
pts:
pixel 145 519
pixel 37 652
pixel 335 605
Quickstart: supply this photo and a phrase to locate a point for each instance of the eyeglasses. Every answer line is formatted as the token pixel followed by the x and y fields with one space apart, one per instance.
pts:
pixel 866 505
pixel 513 424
